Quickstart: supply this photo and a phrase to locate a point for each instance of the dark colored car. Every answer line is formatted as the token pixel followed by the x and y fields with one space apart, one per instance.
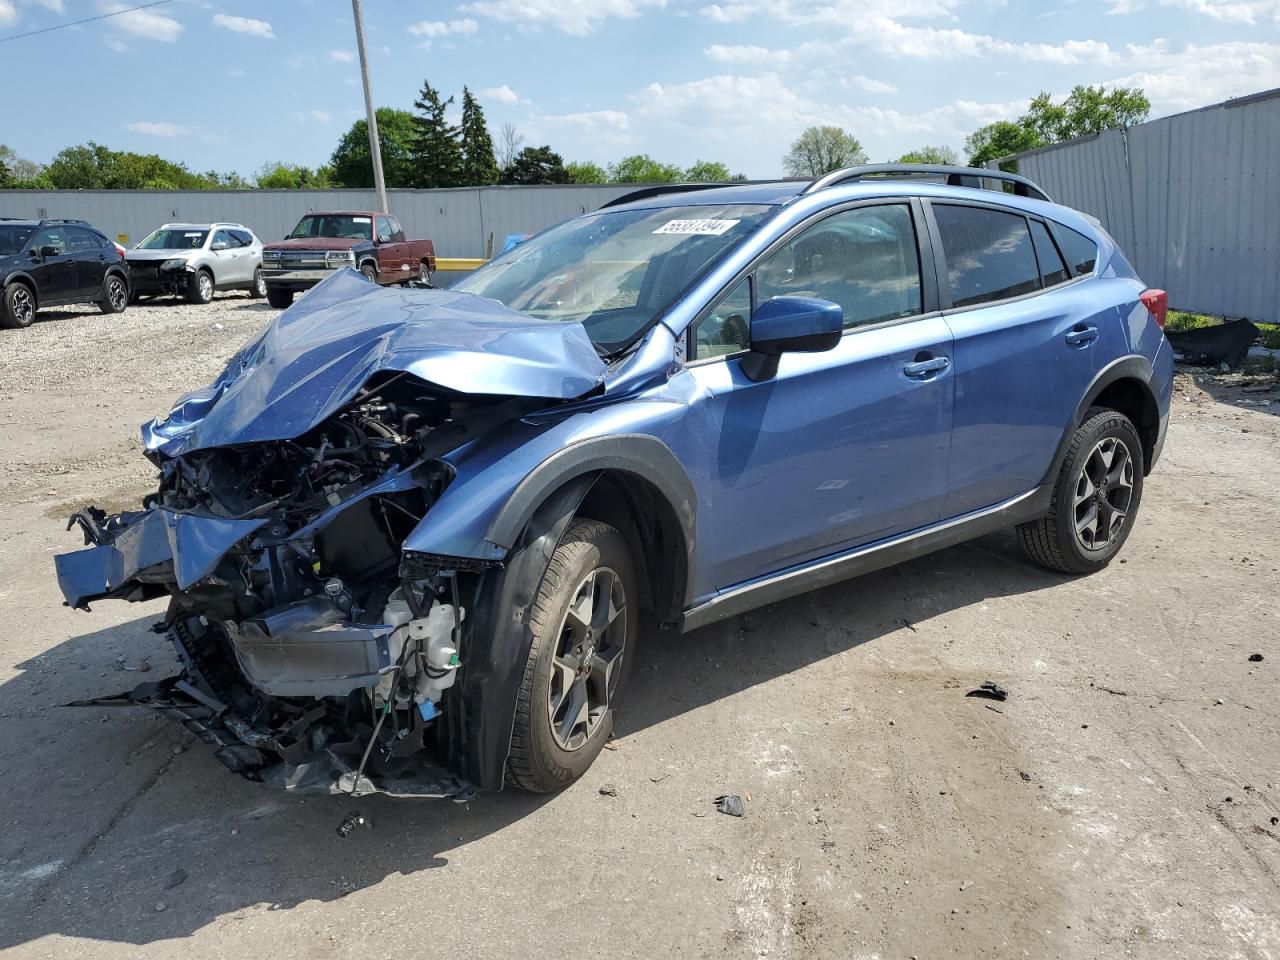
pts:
pixel 407 536
pixel 52 263
pixel 373 243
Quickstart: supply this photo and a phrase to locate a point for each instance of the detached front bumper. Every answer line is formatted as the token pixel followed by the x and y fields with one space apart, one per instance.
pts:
pixel 150 279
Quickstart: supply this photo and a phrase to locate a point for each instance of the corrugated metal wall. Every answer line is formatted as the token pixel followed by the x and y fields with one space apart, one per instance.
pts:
pixel 458 220
pixel 1194 200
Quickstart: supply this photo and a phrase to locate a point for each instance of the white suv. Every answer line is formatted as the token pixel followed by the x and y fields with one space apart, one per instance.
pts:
pixel 196 259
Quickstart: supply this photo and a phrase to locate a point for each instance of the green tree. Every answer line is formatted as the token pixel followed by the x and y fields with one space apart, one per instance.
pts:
pixel 642 168
pixel 478 164
pixel 1086 110
pixel 290 176
pixel 586 172
pixel 20 168
pixel 6 175
pixel 820 150
pixel 536 165
pixel 929 154
pixel 1000 139
pixel 708 171
pixel 92 166
pixel 351 164
pixel 437 152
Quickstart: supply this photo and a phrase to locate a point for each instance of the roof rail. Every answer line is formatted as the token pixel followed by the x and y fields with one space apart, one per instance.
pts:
pixel 644 193
pixel 64 220
pixel 955 177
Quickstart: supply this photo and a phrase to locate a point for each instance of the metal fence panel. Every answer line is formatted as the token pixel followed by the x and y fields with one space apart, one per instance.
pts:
pixel 1194 200
pixel 459 221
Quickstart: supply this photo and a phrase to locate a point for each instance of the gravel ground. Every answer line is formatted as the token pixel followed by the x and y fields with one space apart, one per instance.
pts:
pixel 1122 803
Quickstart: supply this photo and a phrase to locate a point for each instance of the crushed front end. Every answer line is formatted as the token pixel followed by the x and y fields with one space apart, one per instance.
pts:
pixel 316 654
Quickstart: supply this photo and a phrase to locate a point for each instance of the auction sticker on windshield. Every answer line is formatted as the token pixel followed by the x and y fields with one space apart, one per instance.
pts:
pixel 697 228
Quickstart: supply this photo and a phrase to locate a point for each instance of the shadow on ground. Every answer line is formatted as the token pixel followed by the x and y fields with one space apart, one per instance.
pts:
pixel 109 804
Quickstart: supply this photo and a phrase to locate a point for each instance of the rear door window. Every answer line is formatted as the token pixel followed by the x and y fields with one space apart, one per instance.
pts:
pixel 989 254
pixel 1080 251
pixel 242 236
pixel 1052 268
pixel 80 241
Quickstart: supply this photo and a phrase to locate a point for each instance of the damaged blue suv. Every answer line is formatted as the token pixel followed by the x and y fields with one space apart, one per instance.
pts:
pixel 407 536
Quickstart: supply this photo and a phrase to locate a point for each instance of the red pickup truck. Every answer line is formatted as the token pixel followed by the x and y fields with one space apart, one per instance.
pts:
pixel 371 242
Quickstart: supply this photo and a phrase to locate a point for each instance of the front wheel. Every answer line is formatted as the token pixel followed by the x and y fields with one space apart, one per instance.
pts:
pixel 116 297
pixel 279 297
pixel 583 621
pixel 200 287
pixel 1095 497
pixel 369 272
pixel 259 288
pixel 18 307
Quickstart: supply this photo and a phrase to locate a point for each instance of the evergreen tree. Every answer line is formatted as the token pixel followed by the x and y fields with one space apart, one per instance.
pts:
pixel 479 167
pixel 437 156
pixel 536 165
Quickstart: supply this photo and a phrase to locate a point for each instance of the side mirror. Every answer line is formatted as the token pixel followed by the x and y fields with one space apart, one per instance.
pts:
pixel 47 251
pixel 34 254
pixel 790 325
pixel 219 245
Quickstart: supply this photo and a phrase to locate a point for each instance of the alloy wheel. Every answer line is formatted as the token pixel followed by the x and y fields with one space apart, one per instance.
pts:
pixel 588 658
pixel 118 295
pixel 259 284
pixel 24 308
pixel 1103 494
pixel 205 285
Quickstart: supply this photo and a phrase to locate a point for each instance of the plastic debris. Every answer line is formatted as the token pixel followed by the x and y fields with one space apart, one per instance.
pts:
pixel 608 790
pixel 989 691
pixel 1255 658
pixel 350 822
pixel 731 804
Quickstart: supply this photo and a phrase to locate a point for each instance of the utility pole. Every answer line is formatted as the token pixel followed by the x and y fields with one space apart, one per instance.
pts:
pixel 375 147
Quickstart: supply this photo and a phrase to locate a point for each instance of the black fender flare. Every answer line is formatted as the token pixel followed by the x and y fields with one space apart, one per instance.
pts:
pixel 26 280
pixel 1133 367
pixel 117 271
pixel 481 718
pixel 636 453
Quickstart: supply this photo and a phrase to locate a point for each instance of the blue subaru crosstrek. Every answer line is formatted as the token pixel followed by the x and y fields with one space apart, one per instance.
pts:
pixel 407 536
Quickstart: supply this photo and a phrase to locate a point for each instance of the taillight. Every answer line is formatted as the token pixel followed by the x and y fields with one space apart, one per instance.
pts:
pixel 1157 301
pixel 119 249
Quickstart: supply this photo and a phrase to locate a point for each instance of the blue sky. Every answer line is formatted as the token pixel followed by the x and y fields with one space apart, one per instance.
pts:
pixel 233 84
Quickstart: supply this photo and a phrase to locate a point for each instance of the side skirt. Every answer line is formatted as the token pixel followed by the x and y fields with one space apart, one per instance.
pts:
pixel 868 558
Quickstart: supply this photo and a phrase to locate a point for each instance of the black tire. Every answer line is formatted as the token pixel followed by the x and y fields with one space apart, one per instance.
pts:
pixel 200 287
pixel 115 295
pixel 259 288
pixel 424 273
pixel 592 558
pixel 19 306
pixel 369 272
pixel 1065 539
pixel 279 297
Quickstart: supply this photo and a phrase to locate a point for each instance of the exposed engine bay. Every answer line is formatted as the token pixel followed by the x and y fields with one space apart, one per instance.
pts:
pixel 317 653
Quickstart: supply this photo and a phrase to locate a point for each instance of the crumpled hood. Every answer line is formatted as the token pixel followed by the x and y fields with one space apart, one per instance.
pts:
pixel 318 354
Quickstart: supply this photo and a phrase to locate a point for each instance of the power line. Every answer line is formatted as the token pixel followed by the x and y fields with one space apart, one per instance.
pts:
pixel 76 23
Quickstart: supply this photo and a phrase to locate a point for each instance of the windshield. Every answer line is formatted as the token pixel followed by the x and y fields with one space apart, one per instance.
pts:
pixel 339 225
pixel 614 272
pixel 13 237
pixel 164 239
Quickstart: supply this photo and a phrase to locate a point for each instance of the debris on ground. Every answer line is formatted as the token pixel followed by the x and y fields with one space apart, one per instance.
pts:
pixel 611 744
pixel 988 690
pixel 608 790
pixel 1255 658
pixel 176 879
pixel 1026 777
pixel 350 822
pixel 731 804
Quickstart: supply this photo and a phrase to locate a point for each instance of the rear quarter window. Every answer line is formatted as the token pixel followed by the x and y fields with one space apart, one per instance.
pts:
pixel 989 254
pixel 1080 251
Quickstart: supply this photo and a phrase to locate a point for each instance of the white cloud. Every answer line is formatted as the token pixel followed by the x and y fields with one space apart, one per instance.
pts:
pixel 589 121
pixel 1194 76
pixel 256 28
pixel 8 13
pixel 1227 11
pixel 848 13
pixel 342 56
pixel 577 17
pixel 54 5
pixel 441 28
pixel 158 128
pixel 502 94
pixel 320 116
pixel 745 53
pixel 143 23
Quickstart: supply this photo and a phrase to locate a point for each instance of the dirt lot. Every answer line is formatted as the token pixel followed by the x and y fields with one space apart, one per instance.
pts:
pixel 1122 803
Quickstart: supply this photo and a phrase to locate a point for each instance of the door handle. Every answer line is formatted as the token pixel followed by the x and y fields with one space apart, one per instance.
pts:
pixel 1082 334
pixel 922 368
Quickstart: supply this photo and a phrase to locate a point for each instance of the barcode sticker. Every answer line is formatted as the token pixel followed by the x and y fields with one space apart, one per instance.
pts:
pixel 697 228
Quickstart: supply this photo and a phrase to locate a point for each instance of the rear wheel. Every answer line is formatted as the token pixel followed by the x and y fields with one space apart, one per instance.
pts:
pixel 424 273
pixel 279 297
pixel 583 621
pixel 1095 497
pixel 19 306
pixel 200 287
pixel 115 297
pixel 259 288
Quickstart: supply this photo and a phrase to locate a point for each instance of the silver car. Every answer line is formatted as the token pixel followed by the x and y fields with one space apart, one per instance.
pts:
pixel 194 260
